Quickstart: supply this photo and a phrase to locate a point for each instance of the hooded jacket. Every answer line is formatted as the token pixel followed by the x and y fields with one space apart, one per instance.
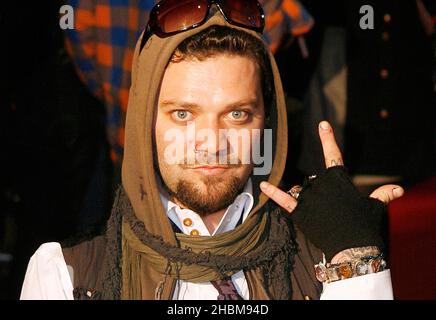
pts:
pixel 130 261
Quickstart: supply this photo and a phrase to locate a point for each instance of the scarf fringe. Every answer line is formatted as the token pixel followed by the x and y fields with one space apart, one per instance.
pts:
pixel 274 257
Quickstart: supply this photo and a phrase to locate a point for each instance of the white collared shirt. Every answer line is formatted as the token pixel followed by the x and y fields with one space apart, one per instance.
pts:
pixel 240 207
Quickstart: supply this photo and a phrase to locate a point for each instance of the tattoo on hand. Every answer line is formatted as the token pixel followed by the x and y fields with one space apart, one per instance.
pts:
pixel 337 162
pixel 355 253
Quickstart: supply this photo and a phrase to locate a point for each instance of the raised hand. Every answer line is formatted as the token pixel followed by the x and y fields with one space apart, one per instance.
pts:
pixel 332 157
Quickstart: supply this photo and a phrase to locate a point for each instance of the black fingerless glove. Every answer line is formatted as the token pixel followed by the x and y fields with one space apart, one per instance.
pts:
pixel 334 216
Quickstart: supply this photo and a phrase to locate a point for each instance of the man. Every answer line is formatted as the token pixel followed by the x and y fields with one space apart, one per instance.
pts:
pixel 192 220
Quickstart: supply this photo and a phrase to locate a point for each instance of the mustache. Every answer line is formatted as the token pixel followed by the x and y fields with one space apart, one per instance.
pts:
pixel 226 162
pixel 200 165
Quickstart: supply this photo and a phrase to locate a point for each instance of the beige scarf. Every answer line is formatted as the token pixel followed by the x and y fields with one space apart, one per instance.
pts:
pixel 143 269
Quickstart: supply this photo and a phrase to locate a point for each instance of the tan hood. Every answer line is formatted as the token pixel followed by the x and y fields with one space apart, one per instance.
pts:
pixel 138 174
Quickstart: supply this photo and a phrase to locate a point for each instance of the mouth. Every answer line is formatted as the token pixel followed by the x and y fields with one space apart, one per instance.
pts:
pixel 210 170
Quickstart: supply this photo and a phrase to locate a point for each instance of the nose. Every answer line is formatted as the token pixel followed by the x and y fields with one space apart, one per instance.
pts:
pixel 209 136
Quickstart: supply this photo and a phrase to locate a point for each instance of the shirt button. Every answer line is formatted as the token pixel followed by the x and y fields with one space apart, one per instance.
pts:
pixel 187 222
pixel 194 233
pixel 387 18
pixel 384 114
pixel 384 74
pixel 385 36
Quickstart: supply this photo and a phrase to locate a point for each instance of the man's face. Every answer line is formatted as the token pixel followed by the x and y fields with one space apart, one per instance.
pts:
pixel 199 102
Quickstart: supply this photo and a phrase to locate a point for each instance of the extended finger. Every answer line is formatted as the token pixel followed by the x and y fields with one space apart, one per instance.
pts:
pixel 332 153
pixel 387 193
pixel 283 199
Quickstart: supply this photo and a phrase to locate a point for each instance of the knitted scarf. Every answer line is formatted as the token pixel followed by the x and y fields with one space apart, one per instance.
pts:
pixel 265 250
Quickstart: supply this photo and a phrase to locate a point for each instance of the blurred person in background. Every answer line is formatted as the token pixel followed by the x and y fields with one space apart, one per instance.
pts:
pixel 376 88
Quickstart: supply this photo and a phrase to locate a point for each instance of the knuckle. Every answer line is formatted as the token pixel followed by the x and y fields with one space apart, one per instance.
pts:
pixel 386 196
pixel 272 192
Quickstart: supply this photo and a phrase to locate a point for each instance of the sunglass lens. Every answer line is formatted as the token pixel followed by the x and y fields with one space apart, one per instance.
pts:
pixel 244 12
pixel 177 15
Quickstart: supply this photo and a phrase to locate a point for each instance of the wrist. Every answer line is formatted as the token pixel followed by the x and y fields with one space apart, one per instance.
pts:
pixel 355 253
pixel 351 263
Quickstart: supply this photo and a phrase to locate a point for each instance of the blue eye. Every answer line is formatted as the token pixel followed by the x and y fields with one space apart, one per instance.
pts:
pixel 238 115
pixel 182 115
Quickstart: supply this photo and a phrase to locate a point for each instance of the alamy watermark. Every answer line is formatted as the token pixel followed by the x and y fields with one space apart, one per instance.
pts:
pixel 231 147
pixel 367 20
pixel 66 20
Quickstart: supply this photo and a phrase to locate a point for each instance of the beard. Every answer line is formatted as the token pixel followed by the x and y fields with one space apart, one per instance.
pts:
pixel 216 194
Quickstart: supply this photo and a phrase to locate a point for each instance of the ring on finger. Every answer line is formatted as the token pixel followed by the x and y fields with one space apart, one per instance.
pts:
pixel 295 191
